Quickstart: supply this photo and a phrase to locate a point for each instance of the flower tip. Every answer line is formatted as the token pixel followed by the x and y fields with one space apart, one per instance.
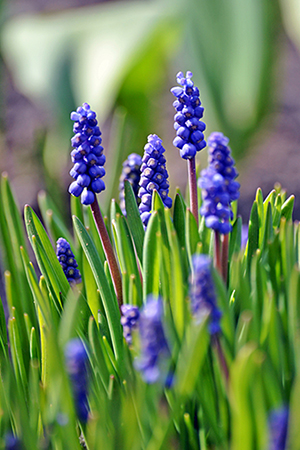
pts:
pixel 74 116
pixel 217 138
pixel 176 91
pixel 154 140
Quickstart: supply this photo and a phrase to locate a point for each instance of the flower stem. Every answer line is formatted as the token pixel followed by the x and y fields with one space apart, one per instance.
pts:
pixel 108 250
pixel 193 188
pixel 223 363
pixel 224 258
pixel 217 255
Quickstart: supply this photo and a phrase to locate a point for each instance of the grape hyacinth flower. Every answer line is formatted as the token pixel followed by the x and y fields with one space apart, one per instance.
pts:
pixel 218 184
pixel 216 201
pixel 189 129
pixel 219 189
pixel 76 364
pixel 129 320
pixel 155 354
pixel 131 171
pixel 12 442
pixel 67 261
pixel 204 300
pixel 202 293
pixel 153 176
pixel 278 428
pixel 87 155
pixel 221 160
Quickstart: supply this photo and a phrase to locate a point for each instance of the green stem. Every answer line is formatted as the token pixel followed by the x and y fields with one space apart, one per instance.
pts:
pixel 108 250
pixel 193 188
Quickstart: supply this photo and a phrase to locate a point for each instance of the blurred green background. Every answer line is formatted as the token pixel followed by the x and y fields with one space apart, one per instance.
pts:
pixel 122 58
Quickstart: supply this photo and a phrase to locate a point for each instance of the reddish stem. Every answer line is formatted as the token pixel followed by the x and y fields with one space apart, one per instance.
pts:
pixel 217 256
pixel 224 261
pixel 193 188
pixel 108 250
pixel 223 363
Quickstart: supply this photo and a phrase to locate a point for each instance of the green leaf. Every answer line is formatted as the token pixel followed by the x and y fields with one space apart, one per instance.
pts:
pixel 134 220
pixel 74 318
pixel 11 227
pixel 45 255
pixel 34 346
pixel 179 289
pixel 235 238
pixel 3 335
pixel 109 302
pixel 287 208
pixel 151 257
pixel 253 235
pixel 268 229
pixel 260 213
pixel 92 294
pixel 125 250
pixel 277 211
pixel 192 235
pixel 242 377
pixel 97 350
pixel 41 302
pixel 191 357
pixel 17 354
pixel 179 218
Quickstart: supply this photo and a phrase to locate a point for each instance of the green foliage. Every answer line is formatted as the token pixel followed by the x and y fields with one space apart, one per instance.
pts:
pixel 203 408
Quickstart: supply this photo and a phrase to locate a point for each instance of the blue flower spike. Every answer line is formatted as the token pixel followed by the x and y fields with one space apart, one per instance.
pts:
pixel 202 293
pixel 154 176
pixel 278 428
pixel 129 321
pixel 219 189
pixel 221 160
pixel 12 442
pixel 87 155
pixel 189 130
pixel 218 184
pixel 76 363
pixel 204 300
pixel 132 172
pixel 67 261
pixel 153 362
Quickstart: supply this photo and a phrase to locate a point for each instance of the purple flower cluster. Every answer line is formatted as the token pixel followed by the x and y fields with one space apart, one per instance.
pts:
pixel 12 442
pixel 129 320
pixel 189 128
pixel 76 364
pixel 87 156
pixel 155 353
pixel 153 176
pixel 278 428
pixel 218 185
pixel 132 172
pixel 202 293
pixel 67 261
